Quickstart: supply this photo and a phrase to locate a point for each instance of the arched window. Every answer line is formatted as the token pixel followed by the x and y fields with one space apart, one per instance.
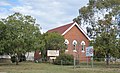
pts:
pixel 74 44
pixel 66 44
pixel 66 41
pixel 83 46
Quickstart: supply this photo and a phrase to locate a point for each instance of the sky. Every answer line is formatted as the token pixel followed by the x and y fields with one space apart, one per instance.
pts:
pixel 49 14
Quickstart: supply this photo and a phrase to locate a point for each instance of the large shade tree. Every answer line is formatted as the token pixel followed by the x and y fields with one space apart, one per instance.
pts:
pixel 98 14
pixel 19 34
pixel 102 20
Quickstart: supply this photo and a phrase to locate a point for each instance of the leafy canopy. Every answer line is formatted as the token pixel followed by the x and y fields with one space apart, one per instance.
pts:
pixel 19 35
pixel 102 20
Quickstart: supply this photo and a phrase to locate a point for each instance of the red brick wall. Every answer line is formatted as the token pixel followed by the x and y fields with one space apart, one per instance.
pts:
pixel 37 55
pixel 76 34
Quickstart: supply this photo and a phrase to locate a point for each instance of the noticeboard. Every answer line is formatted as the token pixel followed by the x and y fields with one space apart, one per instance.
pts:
pixel 89 51
pixel 53 53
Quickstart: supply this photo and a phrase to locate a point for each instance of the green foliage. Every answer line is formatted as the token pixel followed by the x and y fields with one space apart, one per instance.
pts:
pixel 2 35
pixel 99 15
pixel 64 59
pixel 106 43
pixel 96 6
pixel 19 34
pixel 52 41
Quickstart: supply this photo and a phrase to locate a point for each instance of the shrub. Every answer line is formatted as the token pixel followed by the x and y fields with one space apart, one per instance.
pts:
pixel 13 59
pixel 21 58
pixel 64 59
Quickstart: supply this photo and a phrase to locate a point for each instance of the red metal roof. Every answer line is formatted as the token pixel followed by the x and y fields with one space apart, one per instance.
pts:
pixel 61 29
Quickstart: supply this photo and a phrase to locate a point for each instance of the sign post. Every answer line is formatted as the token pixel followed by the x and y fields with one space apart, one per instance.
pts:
pixel 89 53
pixel 74 51
pixel 92 61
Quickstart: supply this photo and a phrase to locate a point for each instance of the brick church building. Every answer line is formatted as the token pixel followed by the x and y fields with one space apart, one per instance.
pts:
pixel 76 39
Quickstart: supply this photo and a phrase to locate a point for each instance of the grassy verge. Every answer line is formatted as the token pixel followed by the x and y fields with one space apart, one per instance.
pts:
pixel 30 67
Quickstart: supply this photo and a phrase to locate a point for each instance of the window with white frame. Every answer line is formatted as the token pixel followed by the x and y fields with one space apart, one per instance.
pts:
pixel 66 41
pixel 74 44
pixel 66 44
pixel 83 46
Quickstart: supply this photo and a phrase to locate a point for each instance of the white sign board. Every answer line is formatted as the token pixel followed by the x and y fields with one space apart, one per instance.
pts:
pixel 89 51
pixel 52 58
pixel 53 53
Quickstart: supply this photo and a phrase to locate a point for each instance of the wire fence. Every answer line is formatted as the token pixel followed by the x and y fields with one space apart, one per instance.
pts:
pixel 95 62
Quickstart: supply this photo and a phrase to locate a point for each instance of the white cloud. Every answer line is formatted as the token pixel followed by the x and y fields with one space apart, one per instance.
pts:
pixel 22 9
pixel 3 3
pixel 49 13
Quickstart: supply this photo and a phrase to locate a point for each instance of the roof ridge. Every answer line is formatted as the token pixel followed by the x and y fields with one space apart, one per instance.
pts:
pixel 61 29
pixel 62 26
pixel 65 28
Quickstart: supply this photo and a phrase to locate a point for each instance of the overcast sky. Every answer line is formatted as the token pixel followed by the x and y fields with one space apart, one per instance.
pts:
pixel 48 13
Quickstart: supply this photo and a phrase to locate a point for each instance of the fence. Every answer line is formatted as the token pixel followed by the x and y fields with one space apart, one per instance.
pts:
pixel 97 62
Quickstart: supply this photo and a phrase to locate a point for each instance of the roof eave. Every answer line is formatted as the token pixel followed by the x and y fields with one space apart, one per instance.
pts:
pixel 79 29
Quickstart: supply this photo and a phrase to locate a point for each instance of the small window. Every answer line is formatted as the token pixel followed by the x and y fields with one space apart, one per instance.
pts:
pixel 83 46
pixel 74 44
pixel 66 42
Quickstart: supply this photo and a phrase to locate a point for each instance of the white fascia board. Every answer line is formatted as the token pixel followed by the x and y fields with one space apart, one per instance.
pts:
pixel 68 29
pixel 79 29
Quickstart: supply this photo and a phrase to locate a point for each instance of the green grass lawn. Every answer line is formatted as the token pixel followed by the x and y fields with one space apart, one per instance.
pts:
pixel 31 67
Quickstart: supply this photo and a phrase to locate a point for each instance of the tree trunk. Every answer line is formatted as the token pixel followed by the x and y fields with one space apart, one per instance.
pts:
pixel 107 59
pixel 17 61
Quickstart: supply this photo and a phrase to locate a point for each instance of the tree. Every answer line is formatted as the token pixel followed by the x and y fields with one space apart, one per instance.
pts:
pixel 105 44
pixel 101 17
pixel 22 35
pixel 53 41
pixel 97 14
pixel 2 35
